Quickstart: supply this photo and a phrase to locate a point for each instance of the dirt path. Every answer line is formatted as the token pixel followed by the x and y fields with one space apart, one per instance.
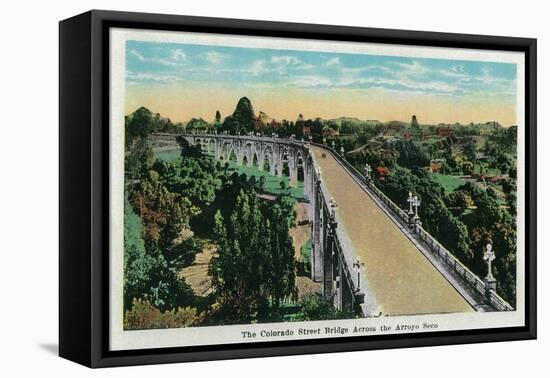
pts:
pixel 301 232
pixel 306 286
pixel 401 279
pixel 300 235
pixel 196 274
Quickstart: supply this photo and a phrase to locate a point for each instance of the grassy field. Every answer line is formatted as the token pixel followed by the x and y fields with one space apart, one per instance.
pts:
pixel 448 182
pixel 168 155
pixel 489 171
pixel 132 227
pixel 305 251
pixel 272 183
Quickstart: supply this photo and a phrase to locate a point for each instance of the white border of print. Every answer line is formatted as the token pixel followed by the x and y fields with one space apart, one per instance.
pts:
pixel 158 338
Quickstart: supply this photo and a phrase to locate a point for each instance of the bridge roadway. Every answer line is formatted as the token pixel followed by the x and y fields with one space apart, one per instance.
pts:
pixel 401 278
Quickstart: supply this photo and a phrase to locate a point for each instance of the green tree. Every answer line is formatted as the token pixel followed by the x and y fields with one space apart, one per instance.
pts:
pixel 255 265
pixel 261 184
pixel 314 307
pixel 138 125
pixel 492 224
pixel 410 153
pixel 147 274
pixel 143 315
pixel 237 271
pixel 436 218
pixel 469 151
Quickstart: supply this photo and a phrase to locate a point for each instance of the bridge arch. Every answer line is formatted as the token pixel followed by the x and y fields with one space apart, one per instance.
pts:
pixel 299 165
pixel 256 161
pixel 267 157
pixel 232 155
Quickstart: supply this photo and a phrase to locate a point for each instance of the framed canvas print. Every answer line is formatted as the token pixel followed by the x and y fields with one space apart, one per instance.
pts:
pixel 233 188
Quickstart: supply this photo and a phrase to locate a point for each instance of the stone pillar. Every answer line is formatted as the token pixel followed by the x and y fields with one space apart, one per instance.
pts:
pixel 490 281
pixel 307 182
pixel 217 149
pixel 280 168
pixel 272 167
pixel 240 156
pixel 293 172
pixel 338 279
pixel 330 253
pixel 316 253
pixel 348 295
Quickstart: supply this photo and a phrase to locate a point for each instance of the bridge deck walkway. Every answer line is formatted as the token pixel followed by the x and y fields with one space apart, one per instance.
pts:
pixel 401 278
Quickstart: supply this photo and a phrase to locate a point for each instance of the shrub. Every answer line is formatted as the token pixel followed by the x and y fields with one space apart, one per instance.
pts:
pixel 143 315
pixel 314 307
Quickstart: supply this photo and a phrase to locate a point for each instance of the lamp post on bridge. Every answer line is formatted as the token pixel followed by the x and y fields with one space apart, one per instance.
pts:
pixel 416 204
pixel 414 219
pixel 410 213
pixel 358 265
pixel 329 254
pixel 332 217
pixel 490 280
pixel 333 205
pixel 368 172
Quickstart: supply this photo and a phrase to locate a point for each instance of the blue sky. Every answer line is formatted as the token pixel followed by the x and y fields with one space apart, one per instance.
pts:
pixel 157 65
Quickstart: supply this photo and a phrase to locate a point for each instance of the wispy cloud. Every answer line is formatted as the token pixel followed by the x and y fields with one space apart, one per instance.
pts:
pixel 333 62
pixel 173 60
pixel 285 60
pixel 214 57
pixel 178 55
pixel 155 63
pixel 413 68
pixel 311 81
pixel 141 77
pixel 258 67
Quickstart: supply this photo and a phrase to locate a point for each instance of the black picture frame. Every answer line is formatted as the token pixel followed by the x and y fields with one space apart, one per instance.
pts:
pixel 84 187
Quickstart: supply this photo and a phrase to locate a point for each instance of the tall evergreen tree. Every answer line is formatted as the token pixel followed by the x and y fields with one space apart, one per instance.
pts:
pixel 255 263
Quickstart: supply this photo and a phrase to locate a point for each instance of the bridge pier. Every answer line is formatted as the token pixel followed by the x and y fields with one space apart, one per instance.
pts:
pixel 337 282
pixel 293 171
pixel 331 264
pixel 316 226
pixel 217 150
pixel 240 157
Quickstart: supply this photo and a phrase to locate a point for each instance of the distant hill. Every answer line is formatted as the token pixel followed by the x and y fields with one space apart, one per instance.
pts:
pixel 339 121
pixel 142 122
pixel 264 118
pixel 197 124
pixel 243 118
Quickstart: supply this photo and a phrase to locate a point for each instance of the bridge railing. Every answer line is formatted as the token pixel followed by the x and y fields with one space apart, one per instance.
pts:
pixel 438 250
pixel 342 244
